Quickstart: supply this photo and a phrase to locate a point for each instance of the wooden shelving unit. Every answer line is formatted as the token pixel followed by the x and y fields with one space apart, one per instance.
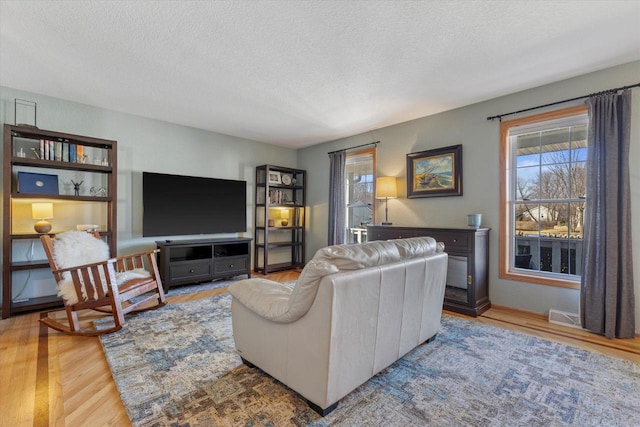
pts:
pixel 98 165
pixel 279 223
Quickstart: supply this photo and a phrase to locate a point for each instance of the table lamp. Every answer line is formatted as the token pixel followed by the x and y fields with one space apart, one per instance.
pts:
pixel 284 217
pixel 386 189
pixel 42 212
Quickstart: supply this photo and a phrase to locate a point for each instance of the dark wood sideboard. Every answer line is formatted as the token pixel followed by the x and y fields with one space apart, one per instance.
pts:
pixel 467 289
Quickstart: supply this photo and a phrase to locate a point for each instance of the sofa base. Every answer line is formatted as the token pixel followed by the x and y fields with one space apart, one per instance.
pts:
pixel 322 412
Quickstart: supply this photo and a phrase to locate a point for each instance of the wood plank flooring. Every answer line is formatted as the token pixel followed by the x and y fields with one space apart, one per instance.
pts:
pixel 51 379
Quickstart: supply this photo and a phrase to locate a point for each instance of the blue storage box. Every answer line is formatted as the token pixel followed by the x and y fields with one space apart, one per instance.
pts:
pixel 37 183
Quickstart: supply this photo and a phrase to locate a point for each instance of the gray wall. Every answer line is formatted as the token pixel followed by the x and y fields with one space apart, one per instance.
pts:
pixel 480 139
pixel 148 145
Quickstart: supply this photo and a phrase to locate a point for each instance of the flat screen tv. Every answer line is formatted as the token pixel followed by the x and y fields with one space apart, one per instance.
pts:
pixel 180 205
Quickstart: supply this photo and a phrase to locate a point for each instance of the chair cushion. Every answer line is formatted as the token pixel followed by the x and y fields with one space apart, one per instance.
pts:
pixel 76 248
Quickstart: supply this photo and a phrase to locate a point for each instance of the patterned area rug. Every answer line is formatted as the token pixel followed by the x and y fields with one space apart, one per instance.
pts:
pixel 177 366
pixel 199 287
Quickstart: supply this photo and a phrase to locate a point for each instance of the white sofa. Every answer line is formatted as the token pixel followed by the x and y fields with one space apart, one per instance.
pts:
pixel 354 310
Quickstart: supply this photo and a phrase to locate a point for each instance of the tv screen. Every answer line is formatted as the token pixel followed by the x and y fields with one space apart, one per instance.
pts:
pixel 176 205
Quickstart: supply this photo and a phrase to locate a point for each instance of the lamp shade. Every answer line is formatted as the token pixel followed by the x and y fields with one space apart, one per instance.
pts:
pixel 42 210
pixel 386 187
pixel 284 214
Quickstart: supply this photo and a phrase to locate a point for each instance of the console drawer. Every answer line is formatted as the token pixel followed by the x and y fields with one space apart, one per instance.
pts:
pixel 453 241
pixel 190 270
pixel 231 264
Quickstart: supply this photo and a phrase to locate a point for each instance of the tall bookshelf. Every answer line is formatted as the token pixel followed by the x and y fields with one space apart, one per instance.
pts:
pixel 91 163
pixel 279 223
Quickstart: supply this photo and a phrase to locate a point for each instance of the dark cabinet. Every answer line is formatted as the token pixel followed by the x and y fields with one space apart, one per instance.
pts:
pixel 201 260
pixel 467 289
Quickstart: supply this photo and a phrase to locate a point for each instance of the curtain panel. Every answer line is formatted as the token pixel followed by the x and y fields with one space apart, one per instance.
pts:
pixel 337 197
pixel 607 295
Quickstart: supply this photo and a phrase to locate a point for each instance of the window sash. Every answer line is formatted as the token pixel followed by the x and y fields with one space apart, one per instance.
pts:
pixel 568 132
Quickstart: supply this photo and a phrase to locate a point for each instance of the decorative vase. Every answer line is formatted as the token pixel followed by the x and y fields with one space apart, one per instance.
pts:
pixel 474 220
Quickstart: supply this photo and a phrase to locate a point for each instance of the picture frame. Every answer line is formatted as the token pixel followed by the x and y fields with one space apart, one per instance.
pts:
pixel 274 178
pixel 435 173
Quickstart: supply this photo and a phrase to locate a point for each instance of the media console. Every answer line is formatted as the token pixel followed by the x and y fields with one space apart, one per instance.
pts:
pixel 201 260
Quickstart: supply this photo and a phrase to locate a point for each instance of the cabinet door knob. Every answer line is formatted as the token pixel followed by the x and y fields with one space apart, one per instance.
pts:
pixel 192 271
pixel 455 240
pixel 230 265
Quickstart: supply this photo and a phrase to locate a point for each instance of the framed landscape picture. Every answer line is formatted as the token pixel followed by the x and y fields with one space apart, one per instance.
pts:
pixel 434 173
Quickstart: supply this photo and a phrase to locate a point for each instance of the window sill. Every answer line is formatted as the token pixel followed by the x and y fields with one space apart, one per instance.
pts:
pixel 540 280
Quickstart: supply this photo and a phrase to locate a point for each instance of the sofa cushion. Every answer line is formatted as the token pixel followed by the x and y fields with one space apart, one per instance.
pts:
pixel 279 302
pixel 417 246
pixel 358 256
pixel 364 255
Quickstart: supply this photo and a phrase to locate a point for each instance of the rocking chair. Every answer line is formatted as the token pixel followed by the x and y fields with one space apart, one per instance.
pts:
pixel 103 284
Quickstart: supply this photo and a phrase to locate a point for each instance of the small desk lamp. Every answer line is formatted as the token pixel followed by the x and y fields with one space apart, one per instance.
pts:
pixel 386 189
pixel 42 211
pixel 284 217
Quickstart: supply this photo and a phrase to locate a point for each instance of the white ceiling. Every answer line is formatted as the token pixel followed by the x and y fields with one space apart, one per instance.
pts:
pixel 297 73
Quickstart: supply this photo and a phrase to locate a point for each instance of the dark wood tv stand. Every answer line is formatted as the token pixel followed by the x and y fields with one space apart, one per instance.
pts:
pixel 202 260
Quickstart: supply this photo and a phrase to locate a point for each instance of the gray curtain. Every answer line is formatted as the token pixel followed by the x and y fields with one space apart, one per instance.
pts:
pixel 606 297
pixel 337 198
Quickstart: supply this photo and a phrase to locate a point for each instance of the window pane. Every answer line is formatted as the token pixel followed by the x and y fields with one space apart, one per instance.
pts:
pixel 360 197
pixel 527 187
pixel 579 143
pixel 576 219
pixel 554 145
pixel 578 180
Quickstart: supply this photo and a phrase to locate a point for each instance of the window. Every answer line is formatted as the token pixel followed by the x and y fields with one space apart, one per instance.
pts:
pixel 542 196
pixel 360 167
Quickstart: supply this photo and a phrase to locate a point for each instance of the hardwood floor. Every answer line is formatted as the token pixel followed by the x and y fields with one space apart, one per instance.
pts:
pixel 47 378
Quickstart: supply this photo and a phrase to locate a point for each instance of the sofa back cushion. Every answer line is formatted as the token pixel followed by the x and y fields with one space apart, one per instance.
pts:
pixel 358 256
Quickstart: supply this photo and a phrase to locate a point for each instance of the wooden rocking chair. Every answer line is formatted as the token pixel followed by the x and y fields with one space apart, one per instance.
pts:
pixel 101 286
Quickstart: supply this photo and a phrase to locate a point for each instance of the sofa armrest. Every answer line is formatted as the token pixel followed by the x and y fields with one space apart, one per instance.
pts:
pixel 266 298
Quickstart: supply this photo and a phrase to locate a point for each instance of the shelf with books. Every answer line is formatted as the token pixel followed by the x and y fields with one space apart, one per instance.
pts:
pixel 279 226
pixel 83 191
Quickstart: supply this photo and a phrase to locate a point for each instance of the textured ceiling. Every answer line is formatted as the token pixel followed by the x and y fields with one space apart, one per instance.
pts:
pixel 300 73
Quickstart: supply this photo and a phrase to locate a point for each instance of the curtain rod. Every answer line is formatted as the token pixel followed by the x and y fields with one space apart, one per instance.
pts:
pixel 500 116
pixel 357 146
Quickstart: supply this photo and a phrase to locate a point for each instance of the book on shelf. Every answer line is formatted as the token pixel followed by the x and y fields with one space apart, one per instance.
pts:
pixel 42 149
pixel 65 151
pixel 58 151
pixel 80 153
pixel 72 153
